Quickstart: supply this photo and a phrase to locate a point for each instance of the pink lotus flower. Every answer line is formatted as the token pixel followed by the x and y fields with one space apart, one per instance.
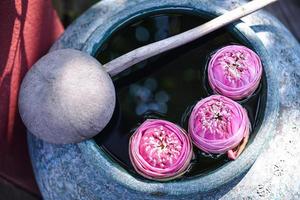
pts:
pixel 218 125
pixel 160 150
pixel 234 71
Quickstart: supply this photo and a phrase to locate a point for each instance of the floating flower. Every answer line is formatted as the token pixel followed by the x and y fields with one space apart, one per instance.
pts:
pixel 160 150
pixel 234 71
pixel 218 125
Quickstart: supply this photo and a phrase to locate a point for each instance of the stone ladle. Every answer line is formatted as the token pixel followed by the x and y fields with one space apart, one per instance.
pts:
pixel 68 96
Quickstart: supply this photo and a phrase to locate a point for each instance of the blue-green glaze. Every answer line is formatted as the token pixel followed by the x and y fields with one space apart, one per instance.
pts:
pixel 84 171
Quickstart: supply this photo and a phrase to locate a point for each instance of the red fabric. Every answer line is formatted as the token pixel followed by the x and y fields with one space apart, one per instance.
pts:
pixel 27 30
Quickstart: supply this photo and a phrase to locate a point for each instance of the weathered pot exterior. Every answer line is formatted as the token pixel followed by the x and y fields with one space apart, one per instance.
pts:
pixel 84 171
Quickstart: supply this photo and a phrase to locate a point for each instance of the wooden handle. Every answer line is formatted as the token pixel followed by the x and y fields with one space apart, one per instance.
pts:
pixel 123 62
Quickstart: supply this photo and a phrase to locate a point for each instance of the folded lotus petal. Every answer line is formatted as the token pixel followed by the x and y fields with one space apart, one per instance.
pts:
pixel 218 124
pixel 160 150
pixel 233 154
pixel 234 71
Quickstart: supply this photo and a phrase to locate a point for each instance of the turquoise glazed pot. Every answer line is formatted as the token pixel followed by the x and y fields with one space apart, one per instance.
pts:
pixel 85 171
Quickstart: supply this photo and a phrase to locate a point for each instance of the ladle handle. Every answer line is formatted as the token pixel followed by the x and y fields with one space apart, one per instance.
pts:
pixel 125 61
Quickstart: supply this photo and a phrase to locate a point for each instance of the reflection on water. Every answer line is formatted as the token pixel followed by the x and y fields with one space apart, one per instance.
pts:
pixel 148 98
pixel 165 86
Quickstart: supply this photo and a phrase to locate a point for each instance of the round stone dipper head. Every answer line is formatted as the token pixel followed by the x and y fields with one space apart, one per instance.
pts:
pixel 66 97
pixel 218 124
pixel 234 71
pixel 160 150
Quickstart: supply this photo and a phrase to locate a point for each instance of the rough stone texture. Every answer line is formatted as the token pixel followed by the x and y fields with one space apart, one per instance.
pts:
pixel 83 171
pixel 66 97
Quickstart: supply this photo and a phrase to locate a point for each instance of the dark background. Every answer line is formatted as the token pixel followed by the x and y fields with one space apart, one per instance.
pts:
pixel 287 11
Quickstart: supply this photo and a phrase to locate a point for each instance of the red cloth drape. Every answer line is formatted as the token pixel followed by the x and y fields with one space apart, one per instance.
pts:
pixel 27 30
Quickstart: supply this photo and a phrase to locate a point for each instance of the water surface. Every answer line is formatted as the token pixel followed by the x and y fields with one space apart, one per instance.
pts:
pixel 165 86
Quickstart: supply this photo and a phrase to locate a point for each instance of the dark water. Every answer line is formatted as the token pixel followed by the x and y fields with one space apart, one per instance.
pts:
pixel 166 86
